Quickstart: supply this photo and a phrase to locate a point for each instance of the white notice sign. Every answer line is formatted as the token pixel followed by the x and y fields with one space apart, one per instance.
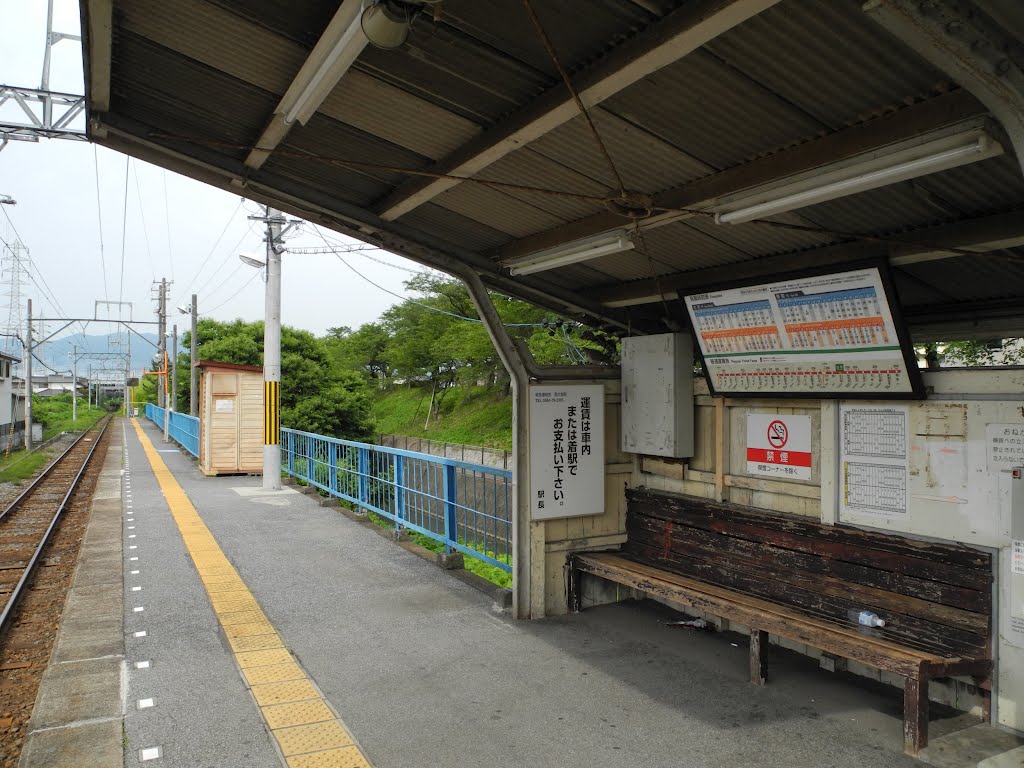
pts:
pixel 779 446
pixel 224 406
pixel 875 465
pixel 566 450
pixel 1017 563
pixel 1005 446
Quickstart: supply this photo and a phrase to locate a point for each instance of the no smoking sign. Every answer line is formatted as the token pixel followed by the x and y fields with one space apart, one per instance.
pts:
pixel 779 446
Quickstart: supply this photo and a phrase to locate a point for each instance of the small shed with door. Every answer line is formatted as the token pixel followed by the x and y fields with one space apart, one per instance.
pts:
pixel 230 418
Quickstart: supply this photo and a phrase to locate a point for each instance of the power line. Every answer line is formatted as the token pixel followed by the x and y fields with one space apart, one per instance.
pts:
pixel 167 223
pixel 124 232
pixel 99 217
pixel 206 261
pixel 420 303
pixel 229 298
pixel 142 217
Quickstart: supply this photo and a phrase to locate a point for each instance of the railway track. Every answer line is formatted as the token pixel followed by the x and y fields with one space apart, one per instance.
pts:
pixel 27 524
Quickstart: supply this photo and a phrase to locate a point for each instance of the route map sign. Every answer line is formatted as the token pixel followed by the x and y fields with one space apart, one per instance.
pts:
pixel 779 446
pixel 827 335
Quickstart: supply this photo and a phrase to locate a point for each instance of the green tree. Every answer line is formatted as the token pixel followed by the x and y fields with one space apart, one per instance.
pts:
pixel 316 396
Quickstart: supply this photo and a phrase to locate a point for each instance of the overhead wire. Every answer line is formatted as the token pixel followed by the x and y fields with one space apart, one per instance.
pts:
pixel 167 224
pixel 124 234
pixel 240 289
pixel 99 217
pixel 420 303
pixel 220 237
pixel 142 218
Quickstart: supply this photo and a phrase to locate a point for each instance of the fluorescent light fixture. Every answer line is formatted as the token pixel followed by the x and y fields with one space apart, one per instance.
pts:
pixel 252 261
pixel 863 173
pixel 338 47
pixel 592 247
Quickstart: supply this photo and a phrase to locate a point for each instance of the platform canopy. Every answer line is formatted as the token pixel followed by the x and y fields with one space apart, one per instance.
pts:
pixel 723 140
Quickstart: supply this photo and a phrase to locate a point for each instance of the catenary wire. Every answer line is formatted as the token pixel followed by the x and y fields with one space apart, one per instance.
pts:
pixel 99 217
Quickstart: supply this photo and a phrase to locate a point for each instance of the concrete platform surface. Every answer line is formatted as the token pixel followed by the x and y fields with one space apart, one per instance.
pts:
pixel 424 672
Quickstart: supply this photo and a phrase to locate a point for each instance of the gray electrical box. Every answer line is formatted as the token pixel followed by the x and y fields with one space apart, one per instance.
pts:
pixel 657 395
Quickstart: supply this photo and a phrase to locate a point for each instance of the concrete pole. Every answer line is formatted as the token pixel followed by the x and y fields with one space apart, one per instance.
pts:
pixel 174 368
pixel 193 392
pixel 74 384
pixel 272 357
pixel 161 316
pixel 28 380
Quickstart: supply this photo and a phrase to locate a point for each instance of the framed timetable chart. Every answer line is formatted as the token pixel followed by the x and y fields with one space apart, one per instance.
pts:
pixel 829 335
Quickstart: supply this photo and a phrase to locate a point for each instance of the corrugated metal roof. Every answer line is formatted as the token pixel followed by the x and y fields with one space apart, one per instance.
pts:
pixel 497 209
pixel 530 168
pixel 997 275
pixel 454 228
pixel 179 96
pixel 715 114
pixel 829 60
pixel 645 163
pixel 889 209
pixel 985 187
pixel 761 240
pixel 302 22
pixel 506 27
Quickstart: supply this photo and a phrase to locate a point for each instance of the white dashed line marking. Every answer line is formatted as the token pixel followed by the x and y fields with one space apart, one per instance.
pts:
pixel 145 703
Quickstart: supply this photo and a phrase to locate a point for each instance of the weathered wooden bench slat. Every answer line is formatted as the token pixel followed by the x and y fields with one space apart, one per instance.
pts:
pixel 779 576
pixel 670 505
pixel 802 569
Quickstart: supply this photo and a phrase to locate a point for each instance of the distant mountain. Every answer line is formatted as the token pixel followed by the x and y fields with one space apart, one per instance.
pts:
pixel 95 350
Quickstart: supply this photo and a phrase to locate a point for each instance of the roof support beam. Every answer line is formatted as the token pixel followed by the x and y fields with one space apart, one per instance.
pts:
pixel 960 40
pixel 335 51
pixel 981 235
pixel 671 39
pixel 922 118
pixel 214 169
pixel 98 25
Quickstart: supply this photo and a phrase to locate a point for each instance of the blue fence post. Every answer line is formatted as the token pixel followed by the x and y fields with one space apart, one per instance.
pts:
pixel 364 476
pixel 291 452
pixel 332 479
pixel 451 498
pixel 399 490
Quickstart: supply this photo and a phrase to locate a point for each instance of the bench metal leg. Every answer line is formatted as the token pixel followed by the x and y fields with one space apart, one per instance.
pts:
pixel 758 656
pixel 573 592
pixel 915 715
pixel 984 684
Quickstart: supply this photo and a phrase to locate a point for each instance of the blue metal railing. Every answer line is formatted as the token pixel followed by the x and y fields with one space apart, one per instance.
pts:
pixel 183 429
pixel 467 507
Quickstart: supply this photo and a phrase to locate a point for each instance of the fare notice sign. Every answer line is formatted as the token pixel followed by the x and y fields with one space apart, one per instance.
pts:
pixel 779 446
pixel 566 450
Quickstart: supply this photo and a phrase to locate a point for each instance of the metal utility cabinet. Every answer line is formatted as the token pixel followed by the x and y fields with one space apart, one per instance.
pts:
pixel 230 418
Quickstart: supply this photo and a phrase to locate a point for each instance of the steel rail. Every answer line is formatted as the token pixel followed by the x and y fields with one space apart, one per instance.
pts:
pixel 16 593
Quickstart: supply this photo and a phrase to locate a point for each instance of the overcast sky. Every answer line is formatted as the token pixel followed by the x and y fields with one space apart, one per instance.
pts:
pixel 175 227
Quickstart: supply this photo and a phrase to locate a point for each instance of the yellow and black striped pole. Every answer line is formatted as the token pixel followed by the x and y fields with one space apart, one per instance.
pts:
pixel 271 412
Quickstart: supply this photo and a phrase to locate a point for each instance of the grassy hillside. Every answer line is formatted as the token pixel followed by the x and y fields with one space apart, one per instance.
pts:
pixel 473 416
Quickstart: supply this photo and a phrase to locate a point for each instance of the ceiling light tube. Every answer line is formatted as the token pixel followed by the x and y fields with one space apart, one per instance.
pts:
pixel 877 170
pixel 603 244
pixel 337 49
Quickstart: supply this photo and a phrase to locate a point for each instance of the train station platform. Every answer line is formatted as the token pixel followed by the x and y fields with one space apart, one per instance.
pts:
pixel 261 630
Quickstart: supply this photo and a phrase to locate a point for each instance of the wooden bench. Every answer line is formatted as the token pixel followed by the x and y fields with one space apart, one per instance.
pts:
pixel 798 579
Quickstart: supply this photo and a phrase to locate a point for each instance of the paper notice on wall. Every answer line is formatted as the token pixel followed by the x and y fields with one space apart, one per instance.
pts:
pixel 224 406
pixel 1004 446
pixel 566 450
pixel 1017 561
pixel 779 446
pixel 874 460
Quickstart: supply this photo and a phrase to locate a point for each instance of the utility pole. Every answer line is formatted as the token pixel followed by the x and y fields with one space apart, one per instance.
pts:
pixel 174 368
pixel 161 314
pixel 74 383
pixel 28 380
pixel 272 355
pixel 193 391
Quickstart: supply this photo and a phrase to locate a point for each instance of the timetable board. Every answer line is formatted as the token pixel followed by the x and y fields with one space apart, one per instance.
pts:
pixel 828 335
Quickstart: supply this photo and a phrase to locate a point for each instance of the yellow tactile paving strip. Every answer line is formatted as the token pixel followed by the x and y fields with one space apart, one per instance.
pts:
pixel 308 732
